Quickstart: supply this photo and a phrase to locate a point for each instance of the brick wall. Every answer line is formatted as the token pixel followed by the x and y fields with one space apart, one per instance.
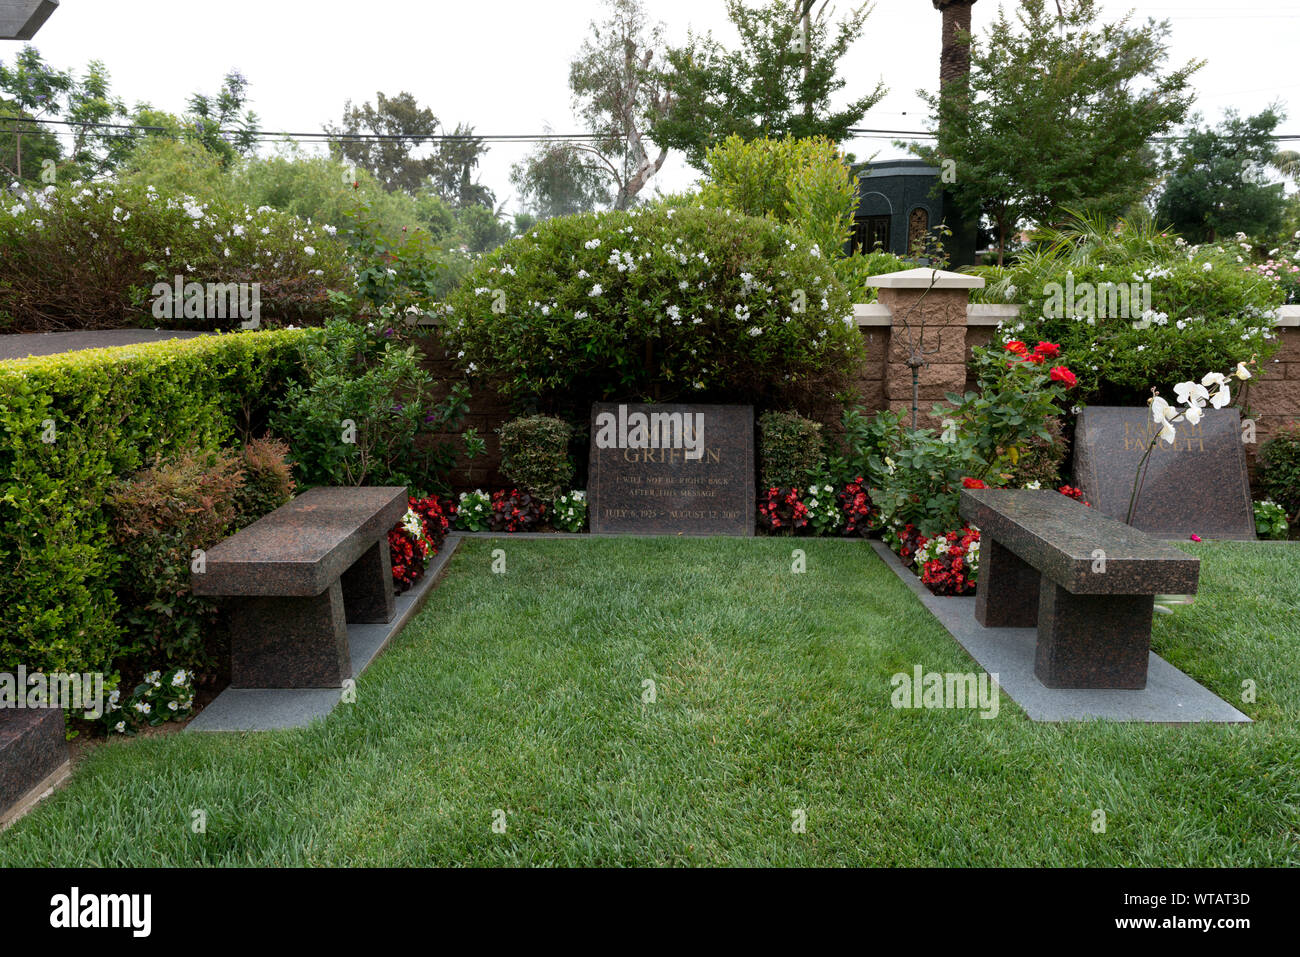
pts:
pixel 886 380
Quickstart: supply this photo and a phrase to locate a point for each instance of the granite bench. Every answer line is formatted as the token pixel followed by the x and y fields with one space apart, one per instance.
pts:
pixel 33 757
pixel 1086 581
pixel 292 581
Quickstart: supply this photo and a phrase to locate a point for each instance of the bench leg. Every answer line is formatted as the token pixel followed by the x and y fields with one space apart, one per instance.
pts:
pixel 368 586
pixel 1093 641
pixel 289 642
pixel 1007 595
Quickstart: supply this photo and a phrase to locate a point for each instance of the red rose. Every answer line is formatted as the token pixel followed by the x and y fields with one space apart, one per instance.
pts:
pixel 1018 347
pixel 1048 350
pixel 1064 376
pixel 972 483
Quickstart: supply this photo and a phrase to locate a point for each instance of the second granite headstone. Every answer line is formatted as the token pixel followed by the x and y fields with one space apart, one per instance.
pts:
pixel 1197 485
pixel 671 469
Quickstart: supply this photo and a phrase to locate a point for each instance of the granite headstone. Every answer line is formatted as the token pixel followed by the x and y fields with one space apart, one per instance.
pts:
pixel 1197 485
pixel 671 469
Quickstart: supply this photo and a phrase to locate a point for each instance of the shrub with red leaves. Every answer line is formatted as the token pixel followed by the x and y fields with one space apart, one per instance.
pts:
pixel 515 511
pixel 861 517
pixel 783 512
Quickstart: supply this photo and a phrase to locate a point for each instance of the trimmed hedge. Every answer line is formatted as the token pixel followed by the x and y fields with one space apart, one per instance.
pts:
pixel 70 427
pixel 1279 469
pixel 789 447
pixel 535 454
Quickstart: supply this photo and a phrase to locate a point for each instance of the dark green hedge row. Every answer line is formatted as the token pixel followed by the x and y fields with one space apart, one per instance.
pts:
pixel 70 426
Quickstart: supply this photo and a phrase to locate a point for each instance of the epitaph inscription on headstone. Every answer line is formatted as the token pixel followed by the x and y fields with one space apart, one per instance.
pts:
pixel 1196 485
pixel 671 469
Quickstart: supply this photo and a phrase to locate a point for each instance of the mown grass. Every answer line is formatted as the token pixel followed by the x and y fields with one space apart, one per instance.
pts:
pixel 524 692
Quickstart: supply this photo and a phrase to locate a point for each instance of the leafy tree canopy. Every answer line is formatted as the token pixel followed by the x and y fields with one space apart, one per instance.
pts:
pixel 777 83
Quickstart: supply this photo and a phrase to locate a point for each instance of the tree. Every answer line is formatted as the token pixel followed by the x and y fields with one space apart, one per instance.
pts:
pixel 620 92
pixel 221 122
pixel 31 90
pixel 1058 114
pixel 560 179
pixel 1218 184
pixel 386 138
pixel 778 83
pixel 383 139
pixel 452 170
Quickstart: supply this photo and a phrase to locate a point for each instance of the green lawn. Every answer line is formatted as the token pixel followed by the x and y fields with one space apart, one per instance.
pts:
pixel 523 692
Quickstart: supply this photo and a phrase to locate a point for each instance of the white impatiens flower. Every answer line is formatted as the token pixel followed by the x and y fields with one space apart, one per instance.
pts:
pixel 1191 393
pixel 1242 372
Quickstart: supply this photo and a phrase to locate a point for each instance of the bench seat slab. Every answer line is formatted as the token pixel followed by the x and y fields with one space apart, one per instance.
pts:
pixel 368 586
pixel 1092 641
pixel 1007 596
pixel 299 642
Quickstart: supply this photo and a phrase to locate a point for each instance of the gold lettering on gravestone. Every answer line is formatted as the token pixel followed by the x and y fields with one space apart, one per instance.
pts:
pixel 1190 438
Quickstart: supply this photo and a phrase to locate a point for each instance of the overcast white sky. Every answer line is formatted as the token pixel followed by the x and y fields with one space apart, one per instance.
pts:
pixel 502 65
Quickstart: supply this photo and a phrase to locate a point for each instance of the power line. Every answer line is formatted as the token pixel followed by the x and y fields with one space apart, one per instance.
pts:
pixel 323 136
pixel 861 133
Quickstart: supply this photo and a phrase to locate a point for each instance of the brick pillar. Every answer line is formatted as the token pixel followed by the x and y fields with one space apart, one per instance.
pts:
pixel 936 300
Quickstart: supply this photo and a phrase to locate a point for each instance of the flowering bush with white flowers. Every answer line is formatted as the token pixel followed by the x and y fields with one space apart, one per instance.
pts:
pixel 160 697
pixel 1281 267
pixel 474 511
pixel 570 512
pixel 88 255
pixel 1131 305
pixel 1270 520
pixel 656 305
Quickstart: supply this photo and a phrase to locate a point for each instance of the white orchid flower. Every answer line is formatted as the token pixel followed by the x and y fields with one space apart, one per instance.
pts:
pixel 1164 415
pixel 1242 372
pixel 1191 393
pixel 1162 411
pixel 1214 378
pixel 1194 414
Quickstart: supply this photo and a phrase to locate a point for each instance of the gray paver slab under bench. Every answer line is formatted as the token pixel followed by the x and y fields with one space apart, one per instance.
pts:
pixel 1170 696
pixel 275 709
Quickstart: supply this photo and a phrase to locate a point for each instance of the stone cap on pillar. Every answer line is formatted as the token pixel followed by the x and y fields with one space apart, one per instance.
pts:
pixel 923 278
pixel 20 19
